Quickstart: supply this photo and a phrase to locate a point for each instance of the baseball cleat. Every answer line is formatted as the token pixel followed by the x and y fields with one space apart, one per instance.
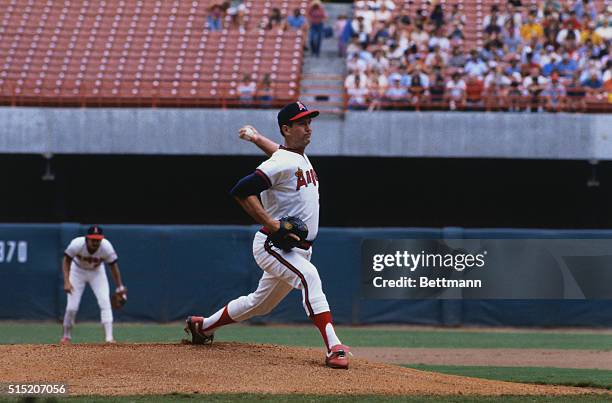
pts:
pixel 338 357
pixel 194 326
pixel 65 340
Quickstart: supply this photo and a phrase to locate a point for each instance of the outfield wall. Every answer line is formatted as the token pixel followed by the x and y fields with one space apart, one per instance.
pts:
pixel 173 271
pixel 184 131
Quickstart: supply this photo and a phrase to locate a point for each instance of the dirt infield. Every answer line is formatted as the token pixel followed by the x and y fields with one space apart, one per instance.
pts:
pixel 493 357
pixel 134 369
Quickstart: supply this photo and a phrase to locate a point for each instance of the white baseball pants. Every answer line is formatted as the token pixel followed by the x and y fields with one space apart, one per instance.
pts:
pixel 99 284
pixel 283 271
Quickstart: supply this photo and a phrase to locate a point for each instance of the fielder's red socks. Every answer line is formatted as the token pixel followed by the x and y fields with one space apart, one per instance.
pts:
pixel 323 321
pixel 220 318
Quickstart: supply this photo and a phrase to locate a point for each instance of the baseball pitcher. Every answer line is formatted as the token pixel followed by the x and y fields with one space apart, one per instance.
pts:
pixel 289 215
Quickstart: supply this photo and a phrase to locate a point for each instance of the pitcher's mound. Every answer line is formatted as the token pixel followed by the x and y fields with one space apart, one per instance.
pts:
pixel 135 369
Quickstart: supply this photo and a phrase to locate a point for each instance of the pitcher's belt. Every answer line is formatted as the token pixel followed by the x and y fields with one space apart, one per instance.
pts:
pixel 302 245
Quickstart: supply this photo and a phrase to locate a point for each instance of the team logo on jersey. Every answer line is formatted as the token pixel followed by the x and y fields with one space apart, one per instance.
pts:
pixel 305 180
pixel 92 260
pixel 301 106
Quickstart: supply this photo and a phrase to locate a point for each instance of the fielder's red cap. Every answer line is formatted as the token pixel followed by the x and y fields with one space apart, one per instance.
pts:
pixel 294 111
pixel 95 232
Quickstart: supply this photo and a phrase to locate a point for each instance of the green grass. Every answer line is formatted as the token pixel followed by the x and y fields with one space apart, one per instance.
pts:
pixel 323 399
pixel 595 378
pixel 45 332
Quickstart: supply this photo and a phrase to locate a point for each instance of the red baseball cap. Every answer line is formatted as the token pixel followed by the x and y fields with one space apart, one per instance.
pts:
pixel 95 232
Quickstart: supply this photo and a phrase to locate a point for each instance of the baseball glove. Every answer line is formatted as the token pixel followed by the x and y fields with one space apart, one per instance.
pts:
pixel 119 298
pixel 292 231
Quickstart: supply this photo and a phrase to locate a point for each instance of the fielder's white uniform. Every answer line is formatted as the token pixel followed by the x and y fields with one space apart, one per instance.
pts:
pixel 89 268
pixel 293 191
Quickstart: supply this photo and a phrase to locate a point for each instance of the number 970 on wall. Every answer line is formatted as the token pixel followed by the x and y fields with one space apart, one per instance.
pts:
pixel 13 251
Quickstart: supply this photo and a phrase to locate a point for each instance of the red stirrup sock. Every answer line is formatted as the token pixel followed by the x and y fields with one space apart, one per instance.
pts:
pixel 323 321
pixel 220 318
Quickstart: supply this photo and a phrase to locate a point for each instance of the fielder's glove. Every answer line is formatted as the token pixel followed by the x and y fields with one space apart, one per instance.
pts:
pixel 119 298
pixel 292 232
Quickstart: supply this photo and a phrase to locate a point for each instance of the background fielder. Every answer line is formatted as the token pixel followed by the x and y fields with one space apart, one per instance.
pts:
pixel 288 186
pixel 84 263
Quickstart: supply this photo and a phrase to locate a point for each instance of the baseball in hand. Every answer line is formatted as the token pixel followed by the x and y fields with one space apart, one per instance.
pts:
pixel 247 133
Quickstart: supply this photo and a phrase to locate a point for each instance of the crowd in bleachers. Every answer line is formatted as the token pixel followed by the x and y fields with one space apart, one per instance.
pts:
pixel 545 55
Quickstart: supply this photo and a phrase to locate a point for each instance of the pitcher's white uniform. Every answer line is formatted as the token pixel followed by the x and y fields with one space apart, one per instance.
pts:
pixel 293 191
pixel 89 268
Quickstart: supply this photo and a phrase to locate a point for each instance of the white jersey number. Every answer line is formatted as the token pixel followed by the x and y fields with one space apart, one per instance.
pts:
pixel 8 249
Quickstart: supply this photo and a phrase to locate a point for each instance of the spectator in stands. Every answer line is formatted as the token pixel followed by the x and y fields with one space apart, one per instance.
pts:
pixel 377 85
pixel 588 33
pixel 340 26
pixel 605 30
pixel 362 30
pixel 383 14
pixel 356 63
pixel 456 16
pixel 456 91
pixel 475 66
pixel 493 22
pixel 457 58
pixel 419 36
pixel 473 91
pixel 437 89
pixel 607 90
pixel 379 62
pixel 296 21
pixel 589 65
pixel 246 89
pixel 531 29
pixel 274 21
pixel 381 33
pixel 316 16
pixel 395 92
pixel 497 77
pixel 357 92
pixel 456 36
pixel 265 94
pixel 436 59
pixel 437 15
pixel 513 65
pixel 493 49
pixel 511 36
pixel 422 15
pixel 534 84
pixel 515 94
pixel 496 85
pixel 551 6
pixel 607 74
pixel 353 48
pixel 440 40
pixel 551 26
pixel 568 36
pixel 570 20
pixel 554 93
pixel 567 66
pixel 530 57
pixel 593 83
pixel 575 94
pixel 215 17
pixel 417 87
pixel 237 14
pixel 584 9
pixel 351 79
pixel 514 13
